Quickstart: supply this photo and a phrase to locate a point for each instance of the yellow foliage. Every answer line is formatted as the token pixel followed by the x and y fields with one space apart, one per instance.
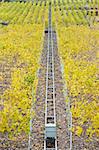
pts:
pixel 20 46
pixel 79 130
pixel 78 48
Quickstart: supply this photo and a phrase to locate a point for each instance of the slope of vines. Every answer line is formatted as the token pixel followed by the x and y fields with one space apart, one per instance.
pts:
pixel 78 47
pixel 20 51
pixel 76 12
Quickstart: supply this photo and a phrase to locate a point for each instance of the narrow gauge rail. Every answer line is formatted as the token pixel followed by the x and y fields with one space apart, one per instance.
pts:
pixel 50 139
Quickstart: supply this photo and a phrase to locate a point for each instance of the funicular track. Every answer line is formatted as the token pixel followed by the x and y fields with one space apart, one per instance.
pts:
pixel 50 141
pixel 49 130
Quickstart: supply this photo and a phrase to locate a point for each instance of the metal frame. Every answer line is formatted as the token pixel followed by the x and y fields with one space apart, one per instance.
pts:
pixel 50 86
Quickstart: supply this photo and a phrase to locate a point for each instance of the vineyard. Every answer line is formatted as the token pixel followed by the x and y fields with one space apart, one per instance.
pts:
pixel 49 71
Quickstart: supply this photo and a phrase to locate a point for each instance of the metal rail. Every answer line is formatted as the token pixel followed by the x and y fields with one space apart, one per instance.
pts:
pixel 50 113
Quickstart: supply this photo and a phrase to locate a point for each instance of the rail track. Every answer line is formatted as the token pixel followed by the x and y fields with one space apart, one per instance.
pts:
pixel 50 141
pixel 49 125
